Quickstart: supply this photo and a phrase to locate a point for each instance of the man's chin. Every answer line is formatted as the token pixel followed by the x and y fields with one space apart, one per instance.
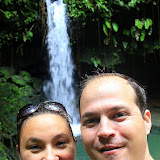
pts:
pixel 111 154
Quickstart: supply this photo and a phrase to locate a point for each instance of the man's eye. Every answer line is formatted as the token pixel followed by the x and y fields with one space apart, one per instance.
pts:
pixel 119 115
pixel 91 122
pixel 61 143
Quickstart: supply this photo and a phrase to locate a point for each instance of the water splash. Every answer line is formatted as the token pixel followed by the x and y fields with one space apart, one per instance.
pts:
pixel 60 87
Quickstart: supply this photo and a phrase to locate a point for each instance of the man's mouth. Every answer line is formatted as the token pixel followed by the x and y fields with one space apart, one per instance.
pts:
pixel 104 149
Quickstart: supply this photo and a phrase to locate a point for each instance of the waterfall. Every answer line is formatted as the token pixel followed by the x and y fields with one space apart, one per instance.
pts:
pixel 60 86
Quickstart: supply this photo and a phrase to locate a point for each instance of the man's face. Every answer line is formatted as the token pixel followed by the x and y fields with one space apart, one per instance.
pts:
pixel 112 126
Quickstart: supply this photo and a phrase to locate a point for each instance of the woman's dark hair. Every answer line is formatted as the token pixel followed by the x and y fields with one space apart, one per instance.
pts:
pixel 32 110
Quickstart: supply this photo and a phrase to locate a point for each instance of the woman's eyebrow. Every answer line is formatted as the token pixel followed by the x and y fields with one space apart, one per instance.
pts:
pixel 36 140
pixel 33 139
pixel 60 135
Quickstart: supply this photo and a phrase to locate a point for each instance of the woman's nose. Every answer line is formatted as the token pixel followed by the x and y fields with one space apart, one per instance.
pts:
pixel 50 154
pixel 106 128
pixel 51 158
pixel 56 158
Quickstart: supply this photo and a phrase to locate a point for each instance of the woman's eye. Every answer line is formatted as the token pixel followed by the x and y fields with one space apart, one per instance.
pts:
pixel 35 148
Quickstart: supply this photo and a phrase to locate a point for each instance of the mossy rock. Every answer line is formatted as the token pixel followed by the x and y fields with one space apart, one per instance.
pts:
pixel 18 80
pixel 37 85
pixel 26 76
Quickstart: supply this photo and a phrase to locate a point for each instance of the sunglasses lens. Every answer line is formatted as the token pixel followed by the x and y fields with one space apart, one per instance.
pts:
pixel 31 108
pixel 26 110
pixel 53 106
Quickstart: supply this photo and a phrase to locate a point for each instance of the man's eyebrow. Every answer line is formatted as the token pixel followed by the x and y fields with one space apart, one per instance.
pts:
pixel 116 108
pixel 112 109
pixel 88 114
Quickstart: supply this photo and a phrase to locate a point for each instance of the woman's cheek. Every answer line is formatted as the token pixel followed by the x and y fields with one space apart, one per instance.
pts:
pixel 68 155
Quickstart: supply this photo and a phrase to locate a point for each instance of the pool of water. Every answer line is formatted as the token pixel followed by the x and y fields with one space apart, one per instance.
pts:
pixel 80 152
pixel 153 140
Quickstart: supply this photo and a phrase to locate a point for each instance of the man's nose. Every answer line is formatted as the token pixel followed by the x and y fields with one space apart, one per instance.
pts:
pixel 106 128
pixel 50 154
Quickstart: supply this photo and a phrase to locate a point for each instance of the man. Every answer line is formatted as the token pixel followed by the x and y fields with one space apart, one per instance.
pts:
pixel 114 119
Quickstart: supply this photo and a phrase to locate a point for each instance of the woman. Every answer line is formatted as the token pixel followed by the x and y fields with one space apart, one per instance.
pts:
pixel 44 133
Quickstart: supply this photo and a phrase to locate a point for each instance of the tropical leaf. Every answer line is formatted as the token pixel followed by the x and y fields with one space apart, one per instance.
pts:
pixel 115 26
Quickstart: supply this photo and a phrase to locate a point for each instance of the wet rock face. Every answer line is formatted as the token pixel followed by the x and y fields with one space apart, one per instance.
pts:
pixel 155 113
pixel 154 107
pixel 154 102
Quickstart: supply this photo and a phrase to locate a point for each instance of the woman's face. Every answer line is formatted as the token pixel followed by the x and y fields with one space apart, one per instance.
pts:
pixel 46 137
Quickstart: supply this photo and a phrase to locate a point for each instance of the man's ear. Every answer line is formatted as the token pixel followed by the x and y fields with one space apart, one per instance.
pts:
pixel 148 123
pixel 74 138
pixel 18 151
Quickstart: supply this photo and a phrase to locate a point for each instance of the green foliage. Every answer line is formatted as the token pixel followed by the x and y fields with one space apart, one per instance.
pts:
pixel 18 80
pixel 16 90
pixel 126 32
pixel 6 72
pixel 102 58
pixel 27 35
pixel 124 24
pixel 26 76
pixel 138 24
pixel 108 24
pixel 96 61
pixel 81 10
pixel 157 47
pixel 148 23
pixel 115 26
pixel 140 29
pixel 19 18
pixel 105 30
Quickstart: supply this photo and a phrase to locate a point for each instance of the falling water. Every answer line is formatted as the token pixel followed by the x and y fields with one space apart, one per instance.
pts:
pixel 60 87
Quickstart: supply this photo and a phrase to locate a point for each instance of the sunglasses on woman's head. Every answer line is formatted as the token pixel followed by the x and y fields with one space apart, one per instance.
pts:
pixel 48 105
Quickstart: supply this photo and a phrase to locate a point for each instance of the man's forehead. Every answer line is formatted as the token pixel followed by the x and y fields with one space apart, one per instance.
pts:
pixel 102 81
pixel 101 87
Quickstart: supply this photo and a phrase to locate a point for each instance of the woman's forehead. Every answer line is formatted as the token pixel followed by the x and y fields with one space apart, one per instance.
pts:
pixel 43 122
